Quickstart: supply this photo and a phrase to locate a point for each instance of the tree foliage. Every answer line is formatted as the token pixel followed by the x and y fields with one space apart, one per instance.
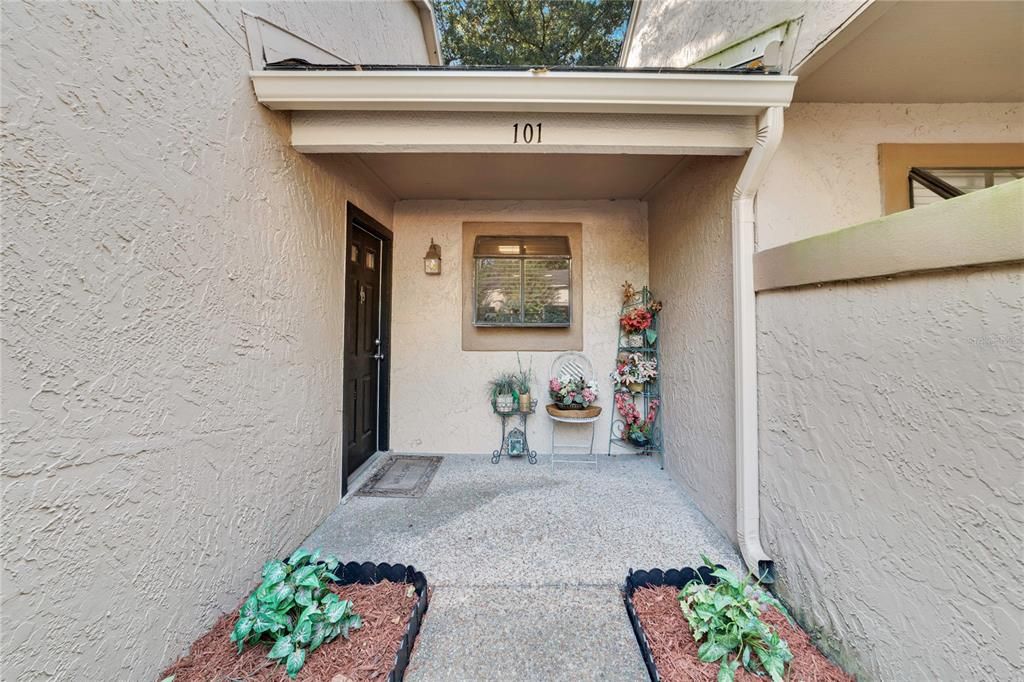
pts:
pixel 533 32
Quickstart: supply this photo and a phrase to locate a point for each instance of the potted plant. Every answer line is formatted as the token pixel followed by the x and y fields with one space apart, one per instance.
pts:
pixel 637 325
pixel 523 383
pixel 503 393
pixel 633 371
pixel 638 322
pixel 638 428
pixel 569 392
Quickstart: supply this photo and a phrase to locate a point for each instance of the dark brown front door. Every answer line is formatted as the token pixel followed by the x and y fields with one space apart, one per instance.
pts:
pixel 365 347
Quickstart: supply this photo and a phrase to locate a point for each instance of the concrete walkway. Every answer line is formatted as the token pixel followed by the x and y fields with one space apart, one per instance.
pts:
pixel 526 561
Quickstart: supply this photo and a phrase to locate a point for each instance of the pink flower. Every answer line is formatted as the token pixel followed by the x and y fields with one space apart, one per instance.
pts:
pixel 555 385
pixel 588 395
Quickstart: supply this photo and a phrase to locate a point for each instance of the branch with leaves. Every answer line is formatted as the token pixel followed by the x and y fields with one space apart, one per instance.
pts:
pixel 532 32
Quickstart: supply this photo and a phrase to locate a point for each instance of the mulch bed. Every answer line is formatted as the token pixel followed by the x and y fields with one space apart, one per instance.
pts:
pixel 675 652
pixel 368 654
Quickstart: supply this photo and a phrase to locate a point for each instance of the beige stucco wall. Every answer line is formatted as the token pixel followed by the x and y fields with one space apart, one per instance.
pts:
pixel 825 175
pixel 892 465
pixel 691 270
pixel 438 391
pixel 680 32
pixel 171 327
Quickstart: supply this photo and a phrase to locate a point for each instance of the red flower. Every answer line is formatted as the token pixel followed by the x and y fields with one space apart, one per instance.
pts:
pixel 636 320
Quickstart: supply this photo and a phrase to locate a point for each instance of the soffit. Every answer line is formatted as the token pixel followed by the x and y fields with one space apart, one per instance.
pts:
pixel 519 176
pixel 921 52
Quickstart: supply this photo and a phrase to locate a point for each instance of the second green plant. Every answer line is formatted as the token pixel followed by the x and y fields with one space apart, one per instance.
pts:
pixel 726 622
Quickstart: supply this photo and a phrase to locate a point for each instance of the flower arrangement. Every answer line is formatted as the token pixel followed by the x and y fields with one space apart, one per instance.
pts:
pixel 638 321
pixel 572 392
pixel 633 371
pixel 638 428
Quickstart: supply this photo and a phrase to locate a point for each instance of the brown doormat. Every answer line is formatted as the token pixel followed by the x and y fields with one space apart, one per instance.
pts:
pixel 401 476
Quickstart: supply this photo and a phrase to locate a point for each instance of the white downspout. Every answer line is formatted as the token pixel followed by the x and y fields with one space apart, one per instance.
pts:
pixel 748 510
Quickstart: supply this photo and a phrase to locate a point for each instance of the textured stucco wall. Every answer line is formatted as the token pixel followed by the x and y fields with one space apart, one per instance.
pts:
pixel 438 391
pixel 171 327
pixel 892 469
pixel 825 176
pixel 680 32
pixel 689 218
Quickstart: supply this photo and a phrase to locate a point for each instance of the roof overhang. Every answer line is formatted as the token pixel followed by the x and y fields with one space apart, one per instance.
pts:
pixel 533 90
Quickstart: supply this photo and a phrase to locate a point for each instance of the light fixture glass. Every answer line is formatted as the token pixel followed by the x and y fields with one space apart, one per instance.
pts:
pixel 432 261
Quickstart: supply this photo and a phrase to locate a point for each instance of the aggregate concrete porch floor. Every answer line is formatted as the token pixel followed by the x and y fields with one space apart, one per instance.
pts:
pixel 526 561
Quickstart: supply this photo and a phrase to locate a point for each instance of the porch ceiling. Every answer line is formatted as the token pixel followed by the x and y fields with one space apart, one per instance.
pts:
pixel 520 176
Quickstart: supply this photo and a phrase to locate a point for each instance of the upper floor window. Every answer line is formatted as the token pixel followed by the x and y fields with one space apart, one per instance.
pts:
pixel 918 174
pixel 522 281
pixel 930 185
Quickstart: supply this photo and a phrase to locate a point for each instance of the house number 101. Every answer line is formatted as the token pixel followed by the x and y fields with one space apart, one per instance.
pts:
pixel 526 133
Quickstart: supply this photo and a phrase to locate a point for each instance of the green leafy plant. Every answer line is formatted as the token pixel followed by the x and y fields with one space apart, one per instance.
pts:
pixel 295 610
pixel 727 617
pixel 502 384
pixel 523 377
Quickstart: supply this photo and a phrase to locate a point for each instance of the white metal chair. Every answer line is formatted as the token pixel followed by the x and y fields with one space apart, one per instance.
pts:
pixel 573 364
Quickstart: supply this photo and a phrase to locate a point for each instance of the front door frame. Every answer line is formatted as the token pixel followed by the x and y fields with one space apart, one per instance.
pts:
pixel 354 216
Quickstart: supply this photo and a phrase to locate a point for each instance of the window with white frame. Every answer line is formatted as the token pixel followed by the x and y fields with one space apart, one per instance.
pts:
pixel 522 281
pixel 931 185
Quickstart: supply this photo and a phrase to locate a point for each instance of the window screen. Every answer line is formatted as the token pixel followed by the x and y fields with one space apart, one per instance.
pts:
pixel 522 282
pixel 931 185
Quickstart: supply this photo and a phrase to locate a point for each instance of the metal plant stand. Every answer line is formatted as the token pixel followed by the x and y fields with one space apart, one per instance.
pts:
pixel 514 441
pixel 643 400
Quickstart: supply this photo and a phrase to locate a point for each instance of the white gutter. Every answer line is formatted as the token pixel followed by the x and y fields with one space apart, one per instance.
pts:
pixel 748 508
pixel 641 92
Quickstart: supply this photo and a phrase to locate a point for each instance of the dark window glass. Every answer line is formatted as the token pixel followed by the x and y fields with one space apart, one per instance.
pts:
pixel 522 282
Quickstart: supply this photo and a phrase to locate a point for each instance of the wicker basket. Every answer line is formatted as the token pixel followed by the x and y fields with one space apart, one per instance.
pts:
pixel 584 413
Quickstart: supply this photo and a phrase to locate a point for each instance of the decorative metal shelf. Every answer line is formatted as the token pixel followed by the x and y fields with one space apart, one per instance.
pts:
pixel 642 399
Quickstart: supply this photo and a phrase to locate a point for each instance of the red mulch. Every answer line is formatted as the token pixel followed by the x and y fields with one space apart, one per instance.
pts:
pixel 675 652
pixel 368 654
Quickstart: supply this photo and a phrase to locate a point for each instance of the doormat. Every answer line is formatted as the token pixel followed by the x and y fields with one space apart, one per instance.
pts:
pixel 401 476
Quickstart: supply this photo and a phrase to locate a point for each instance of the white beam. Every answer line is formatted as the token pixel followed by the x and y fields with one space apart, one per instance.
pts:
pixel 534 132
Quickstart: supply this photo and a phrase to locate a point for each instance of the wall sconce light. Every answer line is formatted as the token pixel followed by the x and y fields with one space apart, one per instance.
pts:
pixel 432 261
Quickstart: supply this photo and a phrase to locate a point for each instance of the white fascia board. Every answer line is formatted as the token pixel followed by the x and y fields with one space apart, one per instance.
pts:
pixel 365 132
pixel 552 91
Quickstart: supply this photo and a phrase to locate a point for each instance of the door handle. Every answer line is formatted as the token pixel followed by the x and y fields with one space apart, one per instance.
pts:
pixel 378 356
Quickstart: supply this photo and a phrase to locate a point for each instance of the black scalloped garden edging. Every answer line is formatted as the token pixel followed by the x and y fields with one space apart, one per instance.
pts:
pixel 656 578
pixel 369 574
